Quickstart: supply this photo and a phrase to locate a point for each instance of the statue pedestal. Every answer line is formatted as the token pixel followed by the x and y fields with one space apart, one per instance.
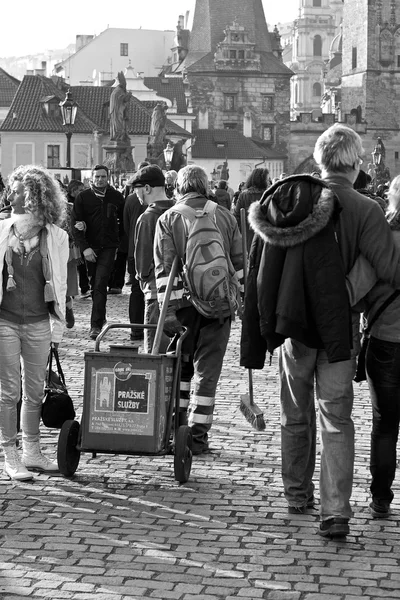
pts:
pixel 119 157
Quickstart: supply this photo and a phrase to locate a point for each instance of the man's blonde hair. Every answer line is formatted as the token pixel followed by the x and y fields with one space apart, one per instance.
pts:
pixel 338 149
pixel 192 178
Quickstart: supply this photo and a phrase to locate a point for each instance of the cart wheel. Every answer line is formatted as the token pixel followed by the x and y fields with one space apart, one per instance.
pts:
pixel 183 454
pixel 68 454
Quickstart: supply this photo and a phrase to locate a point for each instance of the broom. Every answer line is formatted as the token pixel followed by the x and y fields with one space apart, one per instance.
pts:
pixel 252 413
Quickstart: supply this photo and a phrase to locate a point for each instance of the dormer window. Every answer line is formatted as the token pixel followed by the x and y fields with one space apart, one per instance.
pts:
pixel 54 109
pixel 51 106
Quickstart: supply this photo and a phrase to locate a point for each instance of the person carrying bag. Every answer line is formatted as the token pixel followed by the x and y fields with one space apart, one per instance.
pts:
pixel 57 404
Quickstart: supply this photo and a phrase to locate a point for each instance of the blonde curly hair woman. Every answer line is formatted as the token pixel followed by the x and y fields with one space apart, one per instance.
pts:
pixel 33 266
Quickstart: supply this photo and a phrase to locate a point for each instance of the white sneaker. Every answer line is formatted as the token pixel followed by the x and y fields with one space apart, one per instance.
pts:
pixel 13 466
pixel 34 460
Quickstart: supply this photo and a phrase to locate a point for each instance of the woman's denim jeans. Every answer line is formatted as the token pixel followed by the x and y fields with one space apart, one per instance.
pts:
pixel 383 373
pixel 31 343
pixel 299 367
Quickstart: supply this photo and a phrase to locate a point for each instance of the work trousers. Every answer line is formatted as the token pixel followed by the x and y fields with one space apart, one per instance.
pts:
pixel 203 352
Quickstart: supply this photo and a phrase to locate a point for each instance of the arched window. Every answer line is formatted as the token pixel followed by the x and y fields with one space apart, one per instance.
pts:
pixel 317 46
pixel 316 90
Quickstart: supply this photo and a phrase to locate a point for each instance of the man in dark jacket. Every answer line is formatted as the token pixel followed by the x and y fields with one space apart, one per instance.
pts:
pixel 222 196
pixel 313 347
pixel 132 210
pixel 149 184
pixel 97 224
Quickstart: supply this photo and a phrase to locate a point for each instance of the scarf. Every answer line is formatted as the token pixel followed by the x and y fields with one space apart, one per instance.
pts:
pixel 99 192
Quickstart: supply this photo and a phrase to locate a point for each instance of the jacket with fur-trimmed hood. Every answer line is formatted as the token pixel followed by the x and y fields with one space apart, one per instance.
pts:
pixel 296 282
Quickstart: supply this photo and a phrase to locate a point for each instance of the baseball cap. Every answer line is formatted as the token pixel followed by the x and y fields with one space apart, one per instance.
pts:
pixel 150 175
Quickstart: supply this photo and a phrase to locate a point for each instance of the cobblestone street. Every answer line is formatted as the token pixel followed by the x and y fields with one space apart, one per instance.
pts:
pixel 123 528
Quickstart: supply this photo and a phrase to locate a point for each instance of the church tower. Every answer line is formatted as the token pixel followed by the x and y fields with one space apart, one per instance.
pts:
pixel 313 32
pixel 371 71
pixel 235 72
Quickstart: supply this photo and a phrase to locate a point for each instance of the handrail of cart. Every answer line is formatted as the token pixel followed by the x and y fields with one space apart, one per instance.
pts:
pixel 107 328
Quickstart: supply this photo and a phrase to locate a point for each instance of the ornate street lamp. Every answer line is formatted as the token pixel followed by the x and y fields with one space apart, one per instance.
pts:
pixel 168 154
pixel 68 112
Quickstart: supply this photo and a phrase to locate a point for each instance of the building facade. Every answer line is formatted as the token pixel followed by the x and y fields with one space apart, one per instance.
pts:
pixel 98 59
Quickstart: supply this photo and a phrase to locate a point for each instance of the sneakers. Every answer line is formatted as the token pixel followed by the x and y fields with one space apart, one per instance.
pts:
pixel 94 332
pixel 335 527
pixel 69 318
pixel 34 460
pixel 379 511
pixel 13 466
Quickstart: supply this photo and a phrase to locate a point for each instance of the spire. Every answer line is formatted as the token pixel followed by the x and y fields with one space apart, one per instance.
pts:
pixel 211 18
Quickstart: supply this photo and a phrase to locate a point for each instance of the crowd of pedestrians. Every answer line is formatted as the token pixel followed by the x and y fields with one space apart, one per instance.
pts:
pixel 323 256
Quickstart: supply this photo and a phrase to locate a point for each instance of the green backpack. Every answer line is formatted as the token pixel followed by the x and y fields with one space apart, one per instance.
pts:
pixel 209 278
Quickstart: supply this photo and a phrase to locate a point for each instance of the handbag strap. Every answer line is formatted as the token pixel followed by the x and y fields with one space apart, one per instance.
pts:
pixel 381 309
pixel 54 352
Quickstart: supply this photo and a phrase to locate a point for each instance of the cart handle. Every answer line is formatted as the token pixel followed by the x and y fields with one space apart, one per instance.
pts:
pixel 107 328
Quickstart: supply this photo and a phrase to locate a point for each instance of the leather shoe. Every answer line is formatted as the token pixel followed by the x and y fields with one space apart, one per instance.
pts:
pixel 335 527
pixel 114 291
pixel 94 332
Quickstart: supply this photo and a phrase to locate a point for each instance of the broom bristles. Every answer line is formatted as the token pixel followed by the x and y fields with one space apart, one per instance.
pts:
pixel 252 413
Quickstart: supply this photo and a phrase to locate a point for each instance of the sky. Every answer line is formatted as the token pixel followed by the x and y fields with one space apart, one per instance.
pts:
pixel 42 27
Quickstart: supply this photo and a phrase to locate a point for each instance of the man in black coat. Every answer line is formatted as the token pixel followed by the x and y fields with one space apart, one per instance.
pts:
pixel 97 224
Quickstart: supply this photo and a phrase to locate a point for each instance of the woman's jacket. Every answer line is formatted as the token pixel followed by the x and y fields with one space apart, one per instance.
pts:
pixel 58 253
pixel 363 284
pixel 296 281
pixel 245 199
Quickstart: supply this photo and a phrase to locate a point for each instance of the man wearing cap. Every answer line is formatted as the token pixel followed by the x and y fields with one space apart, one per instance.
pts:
pixel 96 222
pixel 149 185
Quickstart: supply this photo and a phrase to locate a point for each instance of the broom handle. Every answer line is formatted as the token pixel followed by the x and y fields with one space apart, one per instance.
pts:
pixel 243 226
pixel 160 325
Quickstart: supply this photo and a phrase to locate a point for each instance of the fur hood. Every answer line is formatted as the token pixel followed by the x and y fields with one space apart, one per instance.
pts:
pixel 293 210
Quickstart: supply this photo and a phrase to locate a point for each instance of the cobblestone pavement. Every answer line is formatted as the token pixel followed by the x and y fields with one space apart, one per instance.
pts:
pixel 123 528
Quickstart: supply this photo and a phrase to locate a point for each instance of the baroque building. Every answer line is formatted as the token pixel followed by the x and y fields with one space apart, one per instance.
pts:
pixel 311 40
pixel 235 79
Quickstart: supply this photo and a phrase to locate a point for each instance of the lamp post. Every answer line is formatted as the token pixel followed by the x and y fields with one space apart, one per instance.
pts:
pixel 168 154
pixel 68 112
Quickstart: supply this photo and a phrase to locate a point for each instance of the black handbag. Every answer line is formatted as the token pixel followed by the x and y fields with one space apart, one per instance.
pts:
pixel 57 404
pixel 361 374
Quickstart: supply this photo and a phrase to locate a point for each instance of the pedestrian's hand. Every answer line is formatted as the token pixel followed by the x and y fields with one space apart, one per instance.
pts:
pixel 172 326
pixel 81 225
pixel 90 255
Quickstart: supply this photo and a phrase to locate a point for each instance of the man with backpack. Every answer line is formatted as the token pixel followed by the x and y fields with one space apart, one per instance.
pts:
pixel 205 294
